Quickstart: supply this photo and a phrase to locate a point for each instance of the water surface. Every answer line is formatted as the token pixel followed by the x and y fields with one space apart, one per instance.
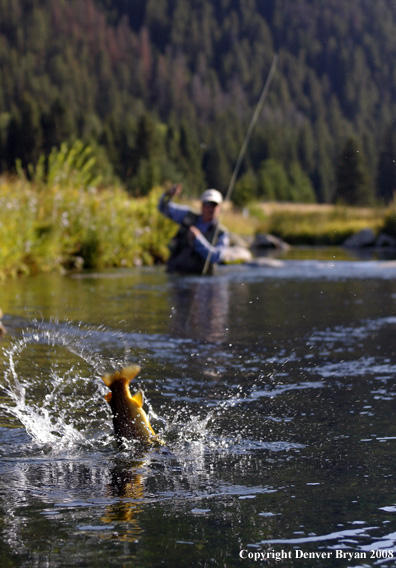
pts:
pixel 273 387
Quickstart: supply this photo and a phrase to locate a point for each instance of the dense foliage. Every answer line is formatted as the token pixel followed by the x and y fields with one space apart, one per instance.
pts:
pixel 69 227
pixel 165 89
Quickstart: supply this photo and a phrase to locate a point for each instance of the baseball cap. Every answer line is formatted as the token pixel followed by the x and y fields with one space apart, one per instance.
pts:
pixel 212 196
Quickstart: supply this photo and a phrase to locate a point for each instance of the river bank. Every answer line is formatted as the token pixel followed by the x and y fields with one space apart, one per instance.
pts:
pixel 58 228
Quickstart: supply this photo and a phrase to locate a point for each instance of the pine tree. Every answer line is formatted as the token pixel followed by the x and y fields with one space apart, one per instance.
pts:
pixel 273 181
pixel 217 167
pixel 300 185
pixel 353 183
pixel 386 172
pixel 245 189
pixel 57 125
pixel 191 159
pixel 147 161
pixel 25 134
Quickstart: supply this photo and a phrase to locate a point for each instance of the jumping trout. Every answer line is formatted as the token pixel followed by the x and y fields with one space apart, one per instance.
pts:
pixel 129 419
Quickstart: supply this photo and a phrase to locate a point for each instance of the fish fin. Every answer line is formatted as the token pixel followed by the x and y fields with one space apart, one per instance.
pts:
pixel 108 379
pixel 108 397
pixel 139 398
pixel 126 374
pixel 130 372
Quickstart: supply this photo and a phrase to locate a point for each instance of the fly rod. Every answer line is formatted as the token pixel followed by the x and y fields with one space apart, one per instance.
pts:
pixel 242 152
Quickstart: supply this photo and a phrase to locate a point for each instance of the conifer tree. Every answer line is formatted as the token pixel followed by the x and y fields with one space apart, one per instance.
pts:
pixel 25 134
pixel 245 189
pixel 273 181
pixel 217 167
pixel 57 125
pixel 191 159
pixel 353 182
pixel 145 162
pixel 300 184
pixel 386 172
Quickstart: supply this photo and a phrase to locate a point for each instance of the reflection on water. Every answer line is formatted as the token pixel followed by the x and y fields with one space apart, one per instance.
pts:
pixel 275 401
pixel 127 492
pixel 200 308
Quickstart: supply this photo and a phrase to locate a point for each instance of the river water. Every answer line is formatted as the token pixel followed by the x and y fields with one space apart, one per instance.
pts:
pixel 273 387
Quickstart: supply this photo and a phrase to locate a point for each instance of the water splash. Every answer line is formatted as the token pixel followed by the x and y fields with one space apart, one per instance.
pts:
pixel 51 386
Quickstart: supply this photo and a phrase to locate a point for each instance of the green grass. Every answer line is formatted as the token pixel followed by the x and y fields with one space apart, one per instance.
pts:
pixel 71 226
pixel 317 224
pixel 58 228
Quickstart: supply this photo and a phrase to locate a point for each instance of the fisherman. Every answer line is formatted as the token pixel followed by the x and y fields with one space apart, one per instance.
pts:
pixel 200 237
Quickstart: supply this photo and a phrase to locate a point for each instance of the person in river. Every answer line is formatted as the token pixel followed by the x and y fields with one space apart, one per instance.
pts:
pixel 199 236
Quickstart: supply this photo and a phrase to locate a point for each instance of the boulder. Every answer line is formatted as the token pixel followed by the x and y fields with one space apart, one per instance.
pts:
pixel 362 239
pixel 237 254
pixel 385 241
pixel 265 261
pixel 237 241
pixel 265 241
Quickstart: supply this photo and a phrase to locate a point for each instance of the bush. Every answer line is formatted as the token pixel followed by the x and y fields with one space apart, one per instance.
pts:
pixel 66 227
pixel 245 190
pixel 73 166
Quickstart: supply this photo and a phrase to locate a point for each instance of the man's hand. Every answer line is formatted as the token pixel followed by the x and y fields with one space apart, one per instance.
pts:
pixel 175 190
pixel 194 232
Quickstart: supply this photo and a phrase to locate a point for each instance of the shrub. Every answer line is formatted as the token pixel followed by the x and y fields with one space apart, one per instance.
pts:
pixel 67 227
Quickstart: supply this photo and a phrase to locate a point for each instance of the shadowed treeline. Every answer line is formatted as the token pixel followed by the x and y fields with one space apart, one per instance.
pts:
pixel 165 91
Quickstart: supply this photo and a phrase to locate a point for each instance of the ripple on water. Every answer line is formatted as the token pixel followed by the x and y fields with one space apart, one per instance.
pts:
pixel 270 437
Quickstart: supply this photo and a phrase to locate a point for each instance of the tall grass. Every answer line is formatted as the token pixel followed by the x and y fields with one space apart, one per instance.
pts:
pixel 68 227
pixel 317 224
pixel 60 220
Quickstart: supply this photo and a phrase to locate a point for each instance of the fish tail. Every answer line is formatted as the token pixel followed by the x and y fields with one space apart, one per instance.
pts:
pixel 126 375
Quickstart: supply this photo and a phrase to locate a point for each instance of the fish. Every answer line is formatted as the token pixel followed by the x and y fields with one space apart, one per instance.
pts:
pixel 129 418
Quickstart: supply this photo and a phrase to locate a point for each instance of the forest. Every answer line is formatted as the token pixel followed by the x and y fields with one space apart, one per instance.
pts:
pixel 164 90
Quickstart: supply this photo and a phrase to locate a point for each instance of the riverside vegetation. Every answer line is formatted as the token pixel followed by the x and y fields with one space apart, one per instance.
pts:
pixel 62 219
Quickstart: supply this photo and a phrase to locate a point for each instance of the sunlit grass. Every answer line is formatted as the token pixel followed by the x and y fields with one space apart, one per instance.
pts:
pixel 64 228
pixel 241 222
pixel 308 224
pixel 315 224
pixel 61 227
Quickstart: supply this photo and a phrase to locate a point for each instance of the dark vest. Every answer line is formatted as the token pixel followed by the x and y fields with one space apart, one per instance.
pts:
pixel 183 257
